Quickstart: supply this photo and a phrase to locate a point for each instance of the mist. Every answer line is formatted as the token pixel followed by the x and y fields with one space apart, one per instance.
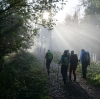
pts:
pixel 76 31
pixel 70 37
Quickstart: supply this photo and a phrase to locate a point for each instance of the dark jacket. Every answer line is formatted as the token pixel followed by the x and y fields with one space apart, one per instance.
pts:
pixel 82 57
pixel 73 59
pixel 65 55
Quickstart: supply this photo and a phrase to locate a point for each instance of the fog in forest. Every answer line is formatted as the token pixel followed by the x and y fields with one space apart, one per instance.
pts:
pixel 71 34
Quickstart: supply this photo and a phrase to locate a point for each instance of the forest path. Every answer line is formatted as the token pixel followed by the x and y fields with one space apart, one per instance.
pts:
pixel 72 90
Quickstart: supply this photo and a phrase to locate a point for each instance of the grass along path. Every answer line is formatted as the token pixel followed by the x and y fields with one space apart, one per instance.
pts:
pixel 23 78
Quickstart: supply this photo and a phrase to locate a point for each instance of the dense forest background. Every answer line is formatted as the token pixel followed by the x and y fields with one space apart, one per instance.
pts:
pixel 20 22
pixel 79 30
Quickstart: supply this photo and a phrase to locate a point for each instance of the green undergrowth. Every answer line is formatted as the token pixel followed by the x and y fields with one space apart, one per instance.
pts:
pixel 23 78
pixel 93 74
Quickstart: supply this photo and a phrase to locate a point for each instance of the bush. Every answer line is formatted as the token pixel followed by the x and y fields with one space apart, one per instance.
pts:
pixel 23 78
pixel 93 73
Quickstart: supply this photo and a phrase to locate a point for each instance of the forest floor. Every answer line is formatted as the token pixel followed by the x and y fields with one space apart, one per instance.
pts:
pixel 71 90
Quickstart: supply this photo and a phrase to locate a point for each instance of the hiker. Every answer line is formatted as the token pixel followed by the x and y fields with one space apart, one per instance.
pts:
pixel 73 65
pixel 85 60
pixel 64 65
pixel 48 57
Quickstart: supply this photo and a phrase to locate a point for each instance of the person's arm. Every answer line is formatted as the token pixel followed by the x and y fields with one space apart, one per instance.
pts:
pixel 60 61
pixel 81 57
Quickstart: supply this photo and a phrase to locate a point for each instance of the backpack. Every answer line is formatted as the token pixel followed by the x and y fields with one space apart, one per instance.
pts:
pixel 49 55
pixel 73 59
pixel 86 56
pixel 65 61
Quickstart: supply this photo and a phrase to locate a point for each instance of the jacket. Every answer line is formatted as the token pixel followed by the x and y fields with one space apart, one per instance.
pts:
pixel 81 56
pixel 62 58
pixel 73 59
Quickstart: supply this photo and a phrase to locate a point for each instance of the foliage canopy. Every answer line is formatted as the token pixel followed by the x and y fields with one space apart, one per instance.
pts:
pixel 20 21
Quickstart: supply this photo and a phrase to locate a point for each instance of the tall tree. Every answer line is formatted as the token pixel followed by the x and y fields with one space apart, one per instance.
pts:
pixel 20 21
pixel 91 24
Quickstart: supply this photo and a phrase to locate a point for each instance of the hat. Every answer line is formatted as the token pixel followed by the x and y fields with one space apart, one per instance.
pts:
pixel 65 51
pixel 72 52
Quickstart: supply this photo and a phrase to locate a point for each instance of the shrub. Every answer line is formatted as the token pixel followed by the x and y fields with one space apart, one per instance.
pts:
pixel 23 78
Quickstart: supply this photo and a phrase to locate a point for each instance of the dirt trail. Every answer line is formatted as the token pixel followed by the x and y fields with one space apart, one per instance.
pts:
pixel 72 90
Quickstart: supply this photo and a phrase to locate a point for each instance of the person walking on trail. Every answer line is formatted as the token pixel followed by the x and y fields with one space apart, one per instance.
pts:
pixel 73 65
pixel 64 65
pixel 85 60
pixel 48 57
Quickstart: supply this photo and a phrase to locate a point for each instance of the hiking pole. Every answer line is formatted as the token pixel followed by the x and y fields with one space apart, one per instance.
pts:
pixel 58 76
pixel 44 65
pixel 57 72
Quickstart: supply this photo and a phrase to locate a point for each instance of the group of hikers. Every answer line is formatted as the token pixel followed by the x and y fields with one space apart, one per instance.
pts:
pixel 69 60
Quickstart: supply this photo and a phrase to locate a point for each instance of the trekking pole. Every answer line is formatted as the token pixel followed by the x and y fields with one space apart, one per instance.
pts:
pixel 58 76
pixel 57 72
pixel 44 64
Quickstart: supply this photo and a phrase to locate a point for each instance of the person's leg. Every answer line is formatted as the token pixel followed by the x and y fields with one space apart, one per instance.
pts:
pixel 64 73
pixel 49 62
pixel 47 66
pixel 84 70
pixel 66 69
pixel 74 69
pixel 70 72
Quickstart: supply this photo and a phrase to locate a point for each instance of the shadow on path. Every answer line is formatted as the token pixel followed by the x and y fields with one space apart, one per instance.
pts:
pixel 74 91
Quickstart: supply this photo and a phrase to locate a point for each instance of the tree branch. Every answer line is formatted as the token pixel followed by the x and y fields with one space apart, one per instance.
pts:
pixel 12 5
